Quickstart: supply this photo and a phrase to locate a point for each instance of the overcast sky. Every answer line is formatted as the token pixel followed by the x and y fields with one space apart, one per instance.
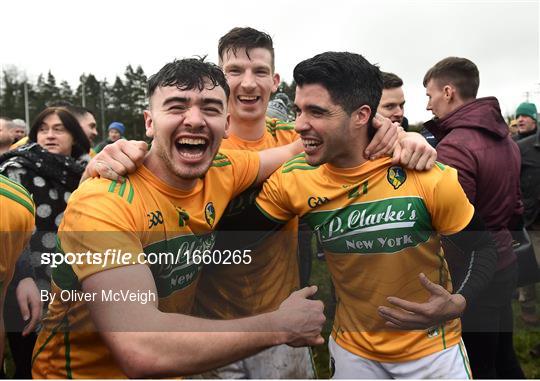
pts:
pixel 406 37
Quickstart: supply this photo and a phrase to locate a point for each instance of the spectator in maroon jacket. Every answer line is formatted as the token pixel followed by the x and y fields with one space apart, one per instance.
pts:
pixel 474 139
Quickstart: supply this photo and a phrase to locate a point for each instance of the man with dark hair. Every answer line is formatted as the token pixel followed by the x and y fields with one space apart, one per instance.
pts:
pixel 474 139
pixel 87 120
pixel 171 202
pixel 392 102
pixel 378 224
pixel 247 58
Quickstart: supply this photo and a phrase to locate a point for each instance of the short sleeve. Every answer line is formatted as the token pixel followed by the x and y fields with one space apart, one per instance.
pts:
pixel 273 200
pixel 449 206
pixel 98 231
pixel 17 211
pixel 245 167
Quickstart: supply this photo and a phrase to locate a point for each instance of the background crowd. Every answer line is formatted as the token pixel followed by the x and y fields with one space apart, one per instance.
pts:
pixel 48 158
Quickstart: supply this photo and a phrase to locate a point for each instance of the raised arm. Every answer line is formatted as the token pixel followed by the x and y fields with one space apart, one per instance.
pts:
pixel 271 159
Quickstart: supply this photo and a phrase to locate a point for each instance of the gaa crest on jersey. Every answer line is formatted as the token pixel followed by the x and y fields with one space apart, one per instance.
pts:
pixel 396 176
pixel 183 216
pixel 210 214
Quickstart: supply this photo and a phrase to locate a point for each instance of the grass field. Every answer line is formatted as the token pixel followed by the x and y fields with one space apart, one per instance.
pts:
pixel 525 337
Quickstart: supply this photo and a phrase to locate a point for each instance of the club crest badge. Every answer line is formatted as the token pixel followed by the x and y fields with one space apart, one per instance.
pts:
pixel 396 176
pixel 210 214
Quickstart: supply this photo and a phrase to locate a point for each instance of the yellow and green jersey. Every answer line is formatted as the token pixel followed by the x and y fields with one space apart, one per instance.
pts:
pixel 142 215
pixel 227 292
pixel 17 213
pixel 378 225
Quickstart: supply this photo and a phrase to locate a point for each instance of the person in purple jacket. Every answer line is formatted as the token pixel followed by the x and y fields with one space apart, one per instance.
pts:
pixel 473 138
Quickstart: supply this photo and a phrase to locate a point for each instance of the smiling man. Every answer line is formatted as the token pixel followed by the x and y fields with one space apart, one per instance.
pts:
pixel 392 104
pixel 379 225
pixel 247 58
pixel 248 61
pixel 171 202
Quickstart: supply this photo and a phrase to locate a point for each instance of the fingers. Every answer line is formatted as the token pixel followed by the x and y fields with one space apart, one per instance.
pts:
pixel 384 140
pixel 406 305
pixel 308 341
pixel 122 157
pixel 118 159
pixel 405 156
pixel 36 317
pixel 415 157
pixel 396 155
pixel 104 170
pixel 403 320
pixel 135 152
pixel 416 152
pixel 316 340
pixel 378 123
pixel 421 165
pixel 430 286
pixel 23 307
pixel 306 292
pixel 431 161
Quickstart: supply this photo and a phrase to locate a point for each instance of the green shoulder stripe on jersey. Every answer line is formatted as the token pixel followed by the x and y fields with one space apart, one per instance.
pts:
pixel 10 183
pixel 299 160
pixel 221 163
pixel 112 186
pixel 18 199
pixel 285 127
pixel 301 154
pixel 220 156
pixel 63 275
pixel 221 160
pixel 305 167
pixel 441 166
pixel 122 189
pixel 130 194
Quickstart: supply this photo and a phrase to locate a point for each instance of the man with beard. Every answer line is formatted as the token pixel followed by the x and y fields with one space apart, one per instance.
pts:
pixel 378 224
pixel 171 202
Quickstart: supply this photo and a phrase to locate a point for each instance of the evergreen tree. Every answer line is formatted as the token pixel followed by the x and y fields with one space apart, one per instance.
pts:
pixel 135 100
pixel 66 93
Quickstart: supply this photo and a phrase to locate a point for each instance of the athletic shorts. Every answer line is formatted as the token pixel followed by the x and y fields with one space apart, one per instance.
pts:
pixel 277 362
pixel 451 363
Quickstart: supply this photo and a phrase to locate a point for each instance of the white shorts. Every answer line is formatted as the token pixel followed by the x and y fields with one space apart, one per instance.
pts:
pixel 277 362
pixel 451 363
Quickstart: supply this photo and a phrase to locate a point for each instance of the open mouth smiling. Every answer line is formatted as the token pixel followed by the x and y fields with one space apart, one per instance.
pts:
pixel 191 148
